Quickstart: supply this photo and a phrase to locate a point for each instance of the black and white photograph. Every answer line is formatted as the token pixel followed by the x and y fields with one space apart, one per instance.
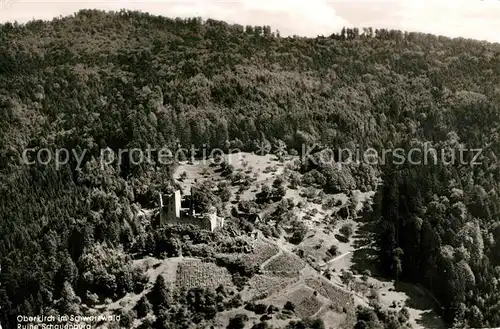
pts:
pixel 249 164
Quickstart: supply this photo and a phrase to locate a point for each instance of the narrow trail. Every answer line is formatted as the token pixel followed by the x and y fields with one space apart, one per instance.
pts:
pixel 338 257
pixel 343 255
pixel 267 261
pixel 321 309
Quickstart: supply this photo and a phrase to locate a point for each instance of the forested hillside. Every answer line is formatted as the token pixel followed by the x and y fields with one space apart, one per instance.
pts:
pixel 128 79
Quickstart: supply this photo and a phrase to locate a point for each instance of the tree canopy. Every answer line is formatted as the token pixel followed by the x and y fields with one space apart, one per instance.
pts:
pixel 102 80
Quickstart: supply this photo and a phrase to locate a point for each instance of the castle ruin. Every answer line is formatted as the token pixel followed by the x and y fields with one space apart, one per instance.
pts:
pixel 180 210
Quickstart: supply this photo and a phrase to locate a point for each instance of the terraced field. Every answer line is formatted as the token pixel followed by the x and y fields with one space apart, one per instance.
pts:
pixel 262 285
pixel 306 304
pixel 340 299
pixel 263 250
pixel 191 274
pixel 285 264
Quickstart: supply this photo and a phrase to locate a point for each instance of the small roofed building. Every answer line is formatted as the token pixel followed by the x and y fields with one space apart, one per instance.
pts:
pixel 180 210
pixel 251 217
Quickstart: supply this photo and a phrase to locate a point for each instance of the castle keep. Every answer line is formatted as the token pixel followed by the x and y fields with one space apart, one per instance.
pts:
pixel 180 210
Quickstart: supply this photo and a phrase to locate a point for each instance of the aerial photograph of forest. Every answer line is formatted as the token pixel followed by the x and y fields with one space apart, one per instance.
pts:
pixel 188 172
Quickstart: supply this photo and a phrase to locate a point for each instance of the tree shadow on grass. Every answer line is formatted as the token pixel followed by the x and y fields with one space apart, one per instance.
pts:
pixel 420 299
pixel 431 320
pixel 366 259
pixel 364 235
pixel 341 238
pixel 365 256
pixel 360 241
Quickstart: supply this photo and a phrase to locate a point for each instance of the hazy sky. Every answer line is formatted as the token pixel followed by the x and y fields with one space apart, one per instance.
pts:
pixel 479 19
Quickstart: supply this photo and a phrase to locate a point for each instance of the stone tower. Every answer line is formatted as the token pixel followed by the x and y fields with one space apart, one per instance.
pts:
pixel 170 206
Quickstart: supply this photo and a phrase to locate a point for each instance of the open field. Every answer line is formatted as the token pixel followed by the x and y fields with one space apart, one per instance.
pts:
pixel 192 274
pixel 340 299
pixel 263 250
pixel 261 286
pixel 285 264
pixel 261 169
pixel 306 303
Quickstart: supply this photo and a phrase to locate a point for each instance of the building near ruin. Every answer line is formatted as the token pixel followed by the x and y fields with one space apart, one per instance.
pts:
pixel 180 210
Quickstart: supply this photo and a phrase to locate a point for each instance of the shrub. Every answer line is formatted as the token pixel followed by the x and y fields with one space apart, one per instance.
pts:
pixel 143 307
pixel 127 319
pixel 272 309
pixel 347 230
pixel 265 317
pixel 289 306
pixel 238 322
pixel 333 250
pixel 260 308
pixel 404 315
pixel 260 325
pixel 300 231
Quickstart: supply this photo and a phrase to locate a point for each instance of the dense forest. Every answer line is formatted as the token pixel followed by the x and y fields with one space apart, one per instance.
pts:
pixel 100 80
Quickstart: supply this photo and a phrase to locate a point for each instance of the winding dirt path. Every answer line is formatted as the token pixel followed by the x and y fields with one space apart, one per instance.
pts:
pixel 267 261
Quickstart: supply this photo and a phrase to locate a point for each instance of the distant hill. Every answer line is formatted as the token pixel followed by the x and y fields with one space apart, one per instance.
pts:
pixel 128 80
